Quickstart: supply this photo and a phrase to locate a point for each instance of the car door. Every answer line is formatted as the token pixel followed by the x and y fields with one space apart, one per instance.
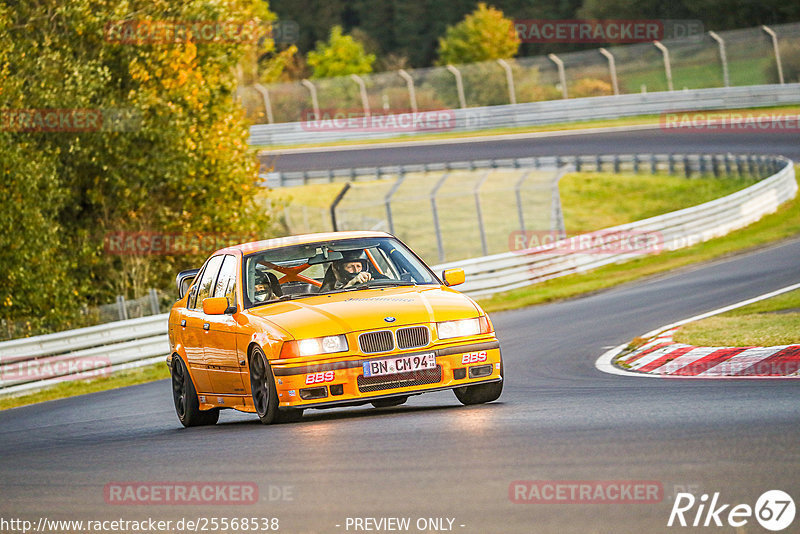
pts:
pixel 193 331
pixel 219 346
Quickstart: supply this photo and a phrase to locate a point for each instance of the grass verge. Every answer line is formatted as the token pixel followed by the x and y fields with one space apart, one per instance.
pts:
pixel 72 388
pixel 782 224
pixel 771 322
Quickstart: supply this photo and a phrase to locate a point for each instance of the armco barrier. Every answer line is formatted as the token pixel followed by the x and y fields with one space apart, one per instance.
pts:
pixel 122 344
pixel 511 270
pixel 552 112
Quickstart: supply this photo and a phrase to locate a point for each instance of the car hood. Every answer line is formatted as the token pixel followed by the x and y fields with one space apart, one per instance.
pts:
pixel 367 309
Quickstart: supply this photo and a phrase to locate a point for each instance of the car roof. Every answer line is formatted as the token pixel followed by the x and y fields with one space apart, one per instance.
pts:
pixel 303 239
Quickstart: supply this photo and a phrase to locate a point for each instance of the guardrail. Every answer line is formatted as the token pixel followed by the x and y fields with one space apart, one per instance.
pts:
pixel 35 362
pixel 39 361
pixel 547 112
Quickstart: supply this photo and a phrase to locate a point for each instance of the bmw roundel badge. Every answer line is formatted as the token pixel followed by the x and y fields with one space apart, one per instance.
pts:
pixel 389 319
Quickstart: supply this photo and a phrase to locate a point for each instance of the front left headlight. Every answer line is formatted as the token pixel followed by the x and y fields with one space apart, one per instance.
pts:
pixel 322 345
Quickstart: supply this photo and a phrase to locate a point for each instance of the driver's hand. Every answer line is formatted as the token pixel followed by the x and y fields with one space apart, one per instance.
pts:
pixel 360 278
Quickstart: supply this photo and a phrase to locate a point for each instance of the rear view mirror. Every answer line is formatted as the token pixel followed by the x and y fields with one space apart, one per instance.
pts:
pixel 332 255
pixel 215 305
pixel 184 281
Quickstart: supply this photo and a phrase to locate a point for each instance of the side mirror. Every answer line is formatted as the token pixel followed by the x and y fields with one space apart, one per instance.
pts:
pixel 215 305
pixel 453 277
pixel 184 280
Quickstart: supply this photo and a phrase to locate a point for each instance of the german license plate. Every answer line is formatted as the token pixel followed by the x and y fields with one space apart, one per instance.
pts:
pixel 400 364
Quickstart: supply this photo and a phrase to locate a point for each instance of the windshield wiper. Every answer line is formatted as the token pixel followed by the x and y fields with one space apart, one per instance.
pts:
pixel 378 283
pixel 296 295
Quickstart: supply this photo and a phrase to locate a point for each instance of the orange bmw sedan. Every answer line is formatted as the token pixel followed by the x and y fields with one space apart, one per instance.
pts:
pixel 320 321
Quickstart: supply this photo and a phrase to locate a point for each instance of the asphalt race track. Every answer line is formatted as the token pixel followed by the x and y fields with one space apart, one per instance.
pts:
pixel 559 419
pixel 619 142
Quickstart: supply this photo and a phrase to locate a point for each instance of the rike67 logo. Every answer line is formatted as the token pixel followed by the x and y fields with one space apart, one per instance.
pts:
pixel 774 510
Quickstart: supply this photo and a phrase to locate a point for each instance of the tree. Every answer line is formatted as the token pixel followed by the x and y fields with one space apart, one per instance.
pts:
pixel 170 155
pixel 339 56
pixel 484 34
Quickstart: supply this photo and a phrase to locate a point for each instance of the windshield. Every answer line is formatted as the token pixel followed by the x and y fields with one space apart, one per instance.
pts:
pixel 330 267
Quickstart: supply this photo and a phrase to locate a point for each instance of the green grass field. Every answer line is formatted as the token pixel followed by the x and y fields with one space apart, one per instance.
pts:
pixel 590 201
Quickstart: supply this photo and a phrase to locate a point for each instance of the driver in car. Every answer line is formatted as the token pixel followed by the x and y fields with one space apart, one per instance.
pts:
pixel 262 288
pixel 350 270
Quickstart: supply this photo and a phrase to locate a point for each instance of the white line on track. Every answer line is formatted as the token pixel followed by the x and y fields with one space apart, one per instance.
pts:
pixel 604 364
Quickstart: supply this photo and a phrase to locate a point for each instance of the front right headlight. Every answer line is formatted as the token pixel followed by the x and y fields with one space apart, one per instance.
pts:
pixel 462 328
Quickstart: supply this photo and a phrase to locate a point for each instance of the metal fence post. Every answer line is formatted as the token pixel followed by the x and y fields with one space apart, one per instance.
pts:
pixel 562 76
pixel 122 310
pixel 723 57
pixel 154 307
pixel 667 66
pixel 412 95
pixel 388 199
pixel 267 104
pixel 518 193
pixel 362 89
pixel 776 50
pixel 512 94
pixel 612 68
pixel 556 214
pixel 436 227
pixel 459 86
pixel 314 100
pixel 478 213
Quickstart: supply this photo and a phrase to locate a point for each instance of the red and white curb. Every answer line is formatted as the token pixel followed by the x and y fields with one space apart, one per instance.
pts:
pixel 661 357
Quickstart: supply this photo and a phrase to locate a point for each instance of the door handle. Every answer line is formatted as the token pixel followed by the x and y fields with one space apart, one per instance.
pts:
pixel 183 322
pixel 206 326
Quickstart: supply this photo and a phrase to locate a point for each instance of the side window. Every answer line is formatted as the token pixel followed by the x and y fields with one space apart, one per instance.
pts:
pixel 208 280
pixel 192 302
pixel 226 282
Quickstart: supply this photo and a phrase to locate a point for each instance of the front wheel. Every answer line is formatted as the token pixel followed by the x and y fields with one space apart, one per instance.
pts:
pixel 185 396
pixel 265 396
pixel 387 403
pixel 480 393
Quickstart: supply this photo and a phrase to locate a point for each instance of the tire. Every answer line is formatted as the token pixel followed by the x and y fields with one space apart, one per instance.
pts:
pixel 185 396
pixel 265 396
pixel 480 393
pixel 387 403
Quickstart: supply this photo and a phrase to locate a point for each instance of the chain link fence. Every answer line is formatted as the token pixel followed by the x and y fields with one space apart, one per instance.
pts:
pixel 733 58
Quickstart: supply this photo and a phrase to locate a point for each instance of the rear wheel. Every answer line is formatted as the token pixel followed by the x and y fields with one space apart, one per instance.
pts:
pixel 265 396
pixel 186 404
pixel 386 403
